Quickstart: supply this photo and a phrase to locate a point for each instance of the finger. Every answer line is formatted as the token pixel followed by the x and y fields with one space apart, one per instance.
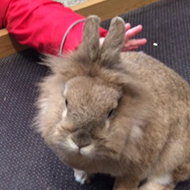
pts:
pixel 135 42
pixel 101 41
pixel 133 31
pixel 133 48
pixel 129 48
pixel 127 26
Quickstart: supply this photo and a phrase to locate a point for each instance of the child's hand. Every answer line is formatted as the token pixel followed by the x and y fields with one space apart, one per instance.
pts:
pixel 130 44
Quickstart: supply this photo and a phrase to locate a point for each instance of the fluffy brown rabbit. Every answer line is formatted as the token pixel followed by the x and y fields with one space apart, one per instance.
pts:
pixel 123 114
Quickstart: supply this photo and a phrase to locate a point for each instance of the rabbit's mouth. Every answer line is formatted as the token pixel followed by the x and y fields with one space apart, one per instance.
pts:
pixel 71 147
pixel 87 150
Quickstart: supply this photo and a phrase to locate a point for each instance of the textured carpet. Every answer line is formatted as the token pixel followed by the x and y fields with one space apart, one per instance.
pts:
pixel 25 161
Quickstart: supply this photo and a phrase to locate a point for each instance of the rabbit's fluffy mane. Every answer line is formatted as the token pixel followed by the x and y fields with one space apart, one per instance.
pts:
pixel 76 66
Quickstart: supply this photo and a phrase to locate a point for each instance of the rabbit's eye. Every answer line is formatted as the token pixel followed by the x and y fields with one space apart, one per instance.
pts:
pixel 111 113
pixel 66 102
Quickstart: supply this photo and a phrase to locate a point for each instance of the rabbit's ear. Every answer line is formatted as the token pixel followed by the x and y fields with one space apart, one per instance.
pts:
pixel 90 38
pixel 110 50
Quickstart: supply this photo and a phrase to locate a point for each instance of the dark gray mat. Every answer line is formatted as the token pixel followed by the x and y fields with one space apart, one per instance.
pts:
pixel 25 161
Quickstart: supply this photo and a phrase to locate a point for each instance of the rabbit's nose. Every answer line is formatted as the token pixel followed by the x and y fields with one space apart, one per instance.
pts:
pixel 81 139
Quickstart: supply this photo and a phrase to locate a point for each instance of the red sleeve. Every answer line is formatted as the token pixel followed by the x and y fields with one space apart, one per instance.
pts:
pixel 41 24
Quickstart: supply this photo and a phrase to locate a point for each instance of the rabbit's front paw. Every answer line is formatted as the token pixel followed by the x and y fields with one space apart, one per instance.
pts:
pixel 155 186
pixel 81 176
pixel 159 182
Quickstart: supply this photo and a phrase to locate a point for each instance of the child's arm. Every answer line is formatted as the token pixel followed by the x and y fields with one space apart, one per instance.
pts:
pixel 41 24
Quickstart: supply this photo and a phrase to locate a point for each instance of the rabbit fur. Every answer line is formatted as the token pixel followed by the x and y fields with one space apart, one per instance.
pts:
pixel 123 114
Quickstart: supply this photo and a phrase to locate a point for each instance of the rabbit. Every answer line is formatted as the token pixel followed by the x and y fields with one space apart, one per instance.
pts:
pixel 122 114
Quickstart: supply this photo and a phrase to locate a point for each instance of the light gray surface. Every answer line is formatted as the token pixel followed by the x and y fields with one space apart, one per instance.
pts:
pixel 69 3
